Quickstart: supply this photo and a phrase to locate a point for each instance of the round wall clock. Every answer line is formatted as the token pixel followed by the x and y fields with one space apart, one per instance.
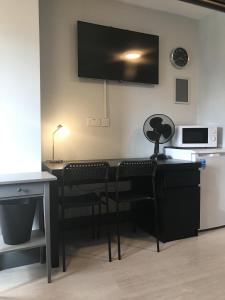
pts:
pixel 179 57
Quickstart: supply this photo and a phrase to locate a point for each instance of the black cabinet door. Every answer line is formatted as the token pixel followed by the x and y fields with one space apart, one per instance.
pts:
pixel 176 179
pixel 179 213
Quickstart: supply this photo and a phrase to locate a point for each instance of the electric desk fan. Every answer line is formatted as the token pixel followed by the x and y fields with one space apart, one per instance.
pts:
pixel 158 129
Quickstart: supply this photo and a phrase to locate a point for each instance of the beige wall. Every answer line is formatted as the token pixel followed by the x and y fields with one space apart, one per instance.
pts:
pixel 20 149
pixel 211 104
pixel 69 100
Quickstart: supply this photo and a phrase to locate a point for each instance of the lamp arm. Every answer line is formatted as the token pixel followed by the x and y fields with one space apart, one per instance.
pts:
pixel 54 132
pixel 53 145
pixel 53 140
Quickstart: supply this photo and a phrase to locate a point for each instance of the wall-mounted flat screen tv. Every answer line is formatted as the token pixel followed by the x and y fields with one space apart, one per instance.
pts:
pixel 115 54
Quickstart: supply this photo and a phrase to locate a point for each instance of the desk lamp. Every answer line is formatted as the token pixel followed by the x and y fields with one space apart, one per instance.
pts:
pixel 59 127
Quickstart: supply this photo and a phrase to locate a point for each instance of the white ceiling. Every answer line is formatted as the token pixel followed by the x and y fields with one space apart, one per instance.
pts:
pixel 173 6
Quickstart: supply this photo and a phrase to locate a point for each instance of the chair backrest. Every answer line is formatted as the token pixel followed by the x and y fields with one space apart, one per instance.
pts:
pixel 136 168
pixel 85 172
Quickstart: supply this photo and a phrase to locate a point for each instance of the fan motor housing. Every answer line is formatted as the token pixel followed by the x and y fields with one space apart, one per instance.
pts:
pixel 158 129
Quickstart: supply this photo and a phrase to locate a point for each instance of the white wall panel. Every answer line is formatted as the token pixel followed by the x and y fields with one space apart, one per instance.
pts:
pixel 20 146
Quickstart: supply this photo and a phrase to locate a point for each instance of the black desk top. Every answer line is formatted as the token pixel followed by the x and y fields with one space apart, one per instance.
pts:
pixel 170 164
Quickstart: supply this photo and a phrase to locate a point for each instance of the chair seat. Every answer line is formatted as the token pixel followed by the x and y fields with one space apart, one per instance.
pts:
pixel 130 196
pixel 80 200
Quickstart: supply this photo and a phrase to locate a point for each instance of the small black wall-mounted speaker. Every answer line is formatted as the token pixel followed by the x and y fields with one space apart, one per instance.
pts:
pixel 182 91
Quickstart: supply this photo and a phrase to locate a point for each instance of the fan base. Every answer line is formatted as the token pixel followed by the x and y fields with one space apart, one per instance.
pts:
pixel 160 156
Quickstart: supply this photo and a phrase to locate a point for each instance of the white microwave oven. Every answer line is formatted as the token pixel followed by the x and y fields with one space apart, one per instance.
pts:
pixel 195 137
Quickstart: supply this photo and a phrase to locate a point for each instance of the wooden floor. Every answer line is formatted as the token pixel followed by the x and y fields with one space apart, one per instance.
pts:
pixel 188 269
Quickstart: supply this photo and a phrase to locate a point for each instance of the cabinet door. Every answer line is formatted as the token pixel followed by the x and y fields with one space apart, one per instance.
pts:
pixel 179 213
pixel 182 178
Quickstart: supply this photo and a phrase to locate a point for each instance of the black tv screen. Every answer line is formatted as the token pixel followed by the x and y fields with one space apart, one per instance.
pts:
pixel 114 54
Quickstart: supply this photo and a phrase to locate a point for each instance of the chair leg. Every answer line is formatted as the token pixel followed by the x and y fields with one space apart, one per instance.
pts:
pixel 156 224
pixel 63 240
pixel 132 212
pixel 93 219
pixel 108 230
pixel 99 219
pixel 42 255
pixel 118 229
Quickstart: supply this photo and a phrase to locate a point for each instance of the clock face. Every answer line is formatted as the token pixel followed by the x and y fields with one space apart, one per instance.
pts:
pixel 179 57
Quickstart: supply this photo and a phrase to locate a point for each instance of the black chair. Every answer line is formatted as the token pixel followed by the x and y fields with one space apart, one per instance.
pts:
pixel 128 170
pixel 75 174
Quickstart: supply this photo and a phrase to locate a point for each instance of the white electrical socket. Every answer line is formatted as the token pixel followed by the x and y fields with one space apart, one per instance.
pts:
pixel 98 122
pixel 93 122
pixel 105 122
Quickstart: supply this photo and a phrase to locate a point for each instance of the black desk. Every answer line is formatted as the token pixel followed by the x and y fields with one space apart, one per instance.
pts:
pixel 178 193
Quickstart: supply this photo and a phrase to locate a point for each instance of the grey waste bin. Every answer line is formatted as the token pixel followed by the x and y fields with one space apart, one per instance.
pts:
pixel 16 220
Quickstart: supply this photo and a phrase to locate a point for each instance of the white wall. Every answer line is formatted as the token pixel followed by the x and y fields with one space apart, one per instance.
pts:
pixel 211 104
pixel 19 86
pixel 69 100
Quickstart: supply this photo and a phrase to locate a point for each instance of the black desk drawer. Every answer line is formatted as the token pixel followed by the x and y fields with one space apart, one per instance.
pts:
pixel 182 178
